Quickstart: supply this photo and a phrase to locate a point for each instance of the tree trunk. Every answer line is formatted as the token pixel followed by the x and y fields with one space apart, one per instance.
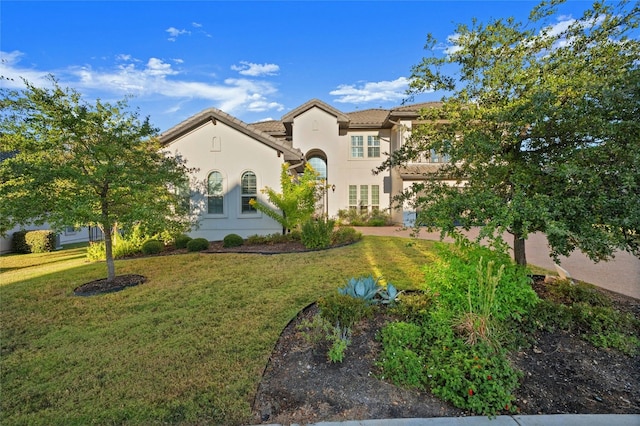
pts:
pixel 519 254
pixel 108 248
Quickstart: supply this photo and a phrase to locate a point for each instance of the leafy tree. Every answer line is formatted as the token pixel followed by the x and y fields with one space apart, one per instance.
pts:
pixel 79 164
pixel 297 202
pixel 541 128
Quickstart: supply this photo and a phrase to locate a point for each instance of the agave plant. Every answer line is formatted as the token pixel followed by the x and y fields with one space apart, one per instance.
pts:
pixel 389 295
pixel 366 288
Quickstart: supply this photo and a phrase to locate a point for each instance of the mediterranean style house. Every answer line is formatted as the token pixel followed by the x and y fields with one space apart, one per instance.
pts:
pixel 235 160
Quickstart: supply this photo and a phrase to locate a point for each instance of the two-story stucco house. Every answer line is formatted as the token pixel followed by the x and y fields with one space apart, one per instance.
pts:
pixel 235 160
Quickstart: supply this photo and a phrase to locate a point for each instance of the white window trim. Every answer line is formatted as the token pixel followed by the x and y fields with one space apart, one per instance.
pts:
pixel 254 215
pixel 365 147
pixel 225 197
pixel 362 147
pixel 370 138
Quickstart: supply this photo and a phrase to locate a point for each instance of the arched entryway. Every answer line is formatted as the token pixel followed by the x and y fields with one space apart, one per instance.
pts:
pixel 318 160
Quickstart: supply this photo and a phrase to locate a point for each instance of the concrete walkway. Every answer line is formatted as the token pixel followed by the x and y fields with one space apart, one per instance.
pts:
pixel 543 420
pixel 621 274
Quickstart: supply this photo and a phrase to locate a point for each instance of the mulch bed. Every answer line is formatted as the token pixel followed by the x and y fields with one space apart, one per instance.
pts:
pixel 563 374
pixel 102 286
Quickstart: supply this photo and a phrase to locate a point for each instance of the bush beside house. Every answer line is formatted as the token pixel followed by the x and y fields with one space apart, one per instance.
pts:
pixel 40 241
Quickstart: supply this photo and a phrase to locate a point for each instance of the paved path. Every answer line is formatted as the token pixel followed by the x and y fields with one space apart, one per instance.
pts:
pixel 621 274
pixel 543 420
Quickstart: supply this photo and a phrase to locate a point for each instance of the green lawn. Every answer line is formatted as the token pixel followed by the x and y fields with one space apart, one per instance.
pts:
pixel 188 346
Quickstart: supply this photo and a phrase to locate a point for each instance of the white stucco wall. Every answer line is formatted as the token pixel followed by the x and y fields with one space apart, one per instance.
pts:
pixel 317 129
pixel 219 147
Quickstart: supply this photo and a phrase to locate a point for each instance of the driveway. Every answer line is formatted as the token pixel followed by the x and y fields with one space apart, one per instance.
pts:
pixel 621 274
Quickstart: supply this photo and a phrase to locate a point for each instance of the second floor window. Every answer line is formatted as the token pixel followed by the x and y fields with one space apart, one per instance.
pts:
pixel 373 146
pixel 357 146
pixel 249 191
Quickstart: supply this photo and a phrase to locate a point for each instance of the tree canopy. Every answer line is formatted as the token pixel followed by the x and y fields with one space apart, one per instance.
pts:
pixel 541 127
pixel 77 164
pixel 297 201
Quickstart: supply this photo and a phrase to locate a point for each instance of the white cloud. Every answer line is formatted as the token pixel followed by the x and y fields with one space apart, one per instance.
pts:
pixel 369 92
pixel 256 70
pixel 199 27
pixel 262 106
pixel 124 57
pixel 452 44
pixel 13 73
pixel 564 22
pixel 174 33
pixel 157 79
pixel 155 66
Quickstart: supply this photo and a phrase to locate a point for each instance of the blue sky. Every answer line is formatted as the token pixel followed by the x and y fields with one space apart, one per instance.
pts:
pixel 254 60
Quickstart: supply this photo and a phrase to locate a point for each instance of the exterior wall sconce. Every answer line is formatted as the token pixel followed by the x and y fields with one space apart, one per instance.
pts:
pixel 333 188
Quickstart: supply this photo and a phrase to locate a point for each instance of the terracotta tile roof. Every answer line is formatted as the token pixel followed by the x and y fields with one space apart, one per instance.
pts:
pixel 288 118
pixel 214 115
pixel 368 117
pixel 270 126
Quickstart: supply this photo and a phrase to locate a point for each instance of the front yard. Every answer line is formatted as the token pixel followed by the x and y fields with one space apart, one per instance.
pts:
pixel 189 345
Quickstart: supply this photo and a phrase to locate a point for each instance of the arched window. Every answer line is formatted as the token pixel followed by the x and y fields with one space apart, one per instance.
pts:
pixel 215 197
pixel 249 191
pixel 320 166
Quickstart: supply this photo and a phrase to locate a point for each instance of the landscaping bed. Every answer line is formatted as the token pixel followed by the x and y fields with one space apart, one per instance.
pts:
pixel 563 374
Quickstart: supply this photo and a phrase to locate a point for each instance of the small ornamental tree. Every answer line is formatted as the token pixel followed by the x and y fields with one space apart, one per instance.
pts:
pixel 541 128
pixel 80 164
pixel 297 202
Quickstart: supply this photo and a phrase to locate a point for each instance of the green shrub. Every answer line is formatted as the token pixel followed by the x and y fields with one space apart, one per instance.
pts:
pixel 316 234
pixel 232 240
pixel 258 239
pixel 400 359
pixel 320 330
pixel 295 235
pixel 96 251
pixel 413 307
pixel 454 276
pixel 152 247
pixel 345 235
pixel 355 217
pixel 198 244
pixel 343 311
pixel 478 378
pixel 602 326
pixel 316 330
pixel 339 345
pixel 338 314
pixel 181 241
pixel 567 292
pixel 121 248
pixel 378 218
pixel 351 217
pixel 473 294
pixel 19 243
pixel 39 241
